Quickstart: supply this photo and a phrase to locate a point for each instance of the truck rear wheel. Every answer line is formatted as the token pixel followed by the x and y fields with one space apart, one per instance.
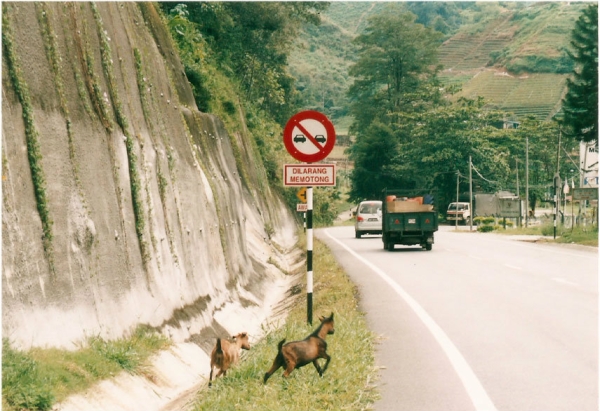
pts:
pixel 428 247
pixel 390 246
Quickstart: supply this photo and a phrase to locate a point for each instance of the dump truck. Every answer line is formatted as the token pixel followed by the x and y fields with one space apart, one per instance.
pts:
pixel 409 218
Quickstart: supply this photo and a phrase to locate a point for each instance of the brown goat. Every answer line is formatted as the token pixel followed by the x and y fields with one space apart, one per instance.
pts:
pixel 227 353
pixel 296 354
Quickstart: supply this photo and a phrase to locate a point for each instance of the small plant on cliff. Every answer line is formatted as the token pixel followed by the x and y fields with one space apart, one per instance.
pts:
pixel 34 153
pixel 135 183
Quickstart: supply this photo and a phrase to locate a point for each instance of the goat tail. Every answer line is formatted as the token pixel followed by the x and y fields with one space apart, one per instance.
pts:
pixel 219 349
pixel 280 345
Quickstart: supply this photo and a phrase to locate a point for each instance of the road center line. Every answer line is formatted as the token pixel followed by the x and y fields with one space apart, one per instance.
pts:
pixel 477 393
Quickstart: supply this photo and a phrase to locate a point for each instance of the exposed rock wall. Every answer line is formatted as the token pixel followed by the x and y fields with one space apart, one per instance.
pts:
pixel 122 203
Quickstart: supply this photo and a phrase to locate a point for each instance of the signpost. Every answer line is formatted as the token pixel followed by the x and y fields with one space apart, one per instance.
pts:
pixel 309 137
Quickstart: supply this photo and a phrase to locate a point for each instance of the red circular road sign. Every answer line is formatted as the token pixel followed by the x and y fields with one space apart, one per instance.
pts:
pixel 309 136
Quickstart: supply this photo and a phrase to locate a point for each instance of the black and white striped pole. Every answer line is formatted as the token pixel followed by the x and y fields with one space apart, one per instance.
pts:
pixel 309 254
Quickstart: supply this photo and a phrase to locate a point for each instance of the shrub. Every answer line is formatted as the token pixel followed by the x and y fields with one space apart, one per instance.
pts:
pixel 547 229
pixel 484 220
pixel 485 228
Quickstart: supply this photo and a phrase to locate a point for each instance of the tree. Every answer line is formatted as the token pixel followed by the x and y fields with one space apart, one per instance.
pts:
pixel 397 56
pixel 372 154
pixel 580 105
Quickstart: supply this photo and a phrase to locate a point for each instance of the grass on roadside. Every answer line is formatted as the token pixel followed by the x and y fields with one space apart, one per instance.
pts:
pixel 564 235
pixel 38 378
pixel 578 235
pixel 348 382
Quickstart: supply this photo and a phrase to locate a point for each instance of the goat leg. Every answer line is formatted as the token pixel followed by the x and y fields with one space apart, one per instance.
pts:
pixel 210 378
pixel 328 358
pixel 318 367
pixel 276 364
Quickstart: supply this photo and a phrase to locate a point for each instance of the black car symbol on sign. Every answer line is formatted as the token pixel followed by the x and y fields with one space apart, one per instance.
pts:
pixel 299 138
pixel 320 138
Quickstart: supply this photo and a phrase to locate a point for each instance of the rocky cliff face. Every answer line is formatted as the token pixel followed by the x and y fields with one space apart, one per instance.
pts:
pixel 122 203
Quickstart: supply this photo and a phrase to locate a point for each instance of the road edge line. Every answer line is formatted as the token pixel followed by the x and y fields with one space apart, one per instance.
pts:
pixel 473 386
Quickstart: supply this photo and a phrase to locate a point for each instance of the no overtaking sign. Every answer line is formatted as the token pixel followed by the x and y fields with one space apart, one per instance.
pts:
pixel 309 136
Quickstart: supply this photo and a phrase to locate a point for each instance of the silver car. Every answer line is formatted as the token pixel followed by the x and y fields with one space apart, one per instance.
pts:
pixel 368 218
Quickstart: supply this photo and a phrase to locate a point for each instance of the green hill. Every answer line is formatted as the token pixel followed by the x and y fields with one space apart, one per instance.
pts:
pixel 510 53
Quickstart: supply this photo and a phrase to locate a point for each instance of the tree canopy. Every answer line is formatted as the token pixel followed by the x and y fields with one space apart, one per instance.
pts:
pixel 397 58
pixel 580 105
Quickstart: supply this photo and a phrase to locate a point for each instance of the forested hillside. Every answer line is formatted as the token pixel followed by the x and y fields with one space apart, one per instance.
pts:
pixel 431 84
pixel 511 54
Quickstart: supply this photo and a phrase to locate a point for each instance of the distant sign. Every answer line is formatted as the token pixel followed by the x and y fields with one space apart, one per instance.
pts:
pixel 510 207
pixel 309 136
pixel 588 160
pixel 309 175
pixel 302 207
pixel 585 194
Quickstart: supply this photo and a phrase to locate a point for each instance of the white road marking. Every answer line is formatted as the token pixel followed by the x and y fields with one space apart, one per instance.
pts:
pixel 477 393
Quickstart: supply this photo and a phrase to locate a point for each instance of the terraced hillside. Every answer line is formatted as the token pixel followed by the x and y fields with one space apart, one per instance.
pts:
pixel 466 51
pixel 536 94
pixel 516 61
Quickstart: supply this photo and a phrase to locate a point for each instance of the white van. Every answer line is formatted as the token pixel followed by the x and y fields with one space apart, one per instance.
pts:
pixel 368 218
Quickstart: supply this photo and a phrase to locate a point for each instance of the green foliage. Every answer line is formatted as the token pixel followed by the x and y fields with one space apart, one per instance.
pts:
pixel 23 385
pixel 485 228
pixel 580 105
pixel 373 154
pixel 249 41
pixel 193 52
pixel 36 379
pixel 396 57
pixel 540 64
pixel 484 220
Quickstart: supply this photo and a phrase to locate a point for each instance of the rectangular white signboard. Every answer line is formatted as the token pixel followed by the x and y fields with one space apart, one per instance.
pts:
pixel 309 175
pixel 302 207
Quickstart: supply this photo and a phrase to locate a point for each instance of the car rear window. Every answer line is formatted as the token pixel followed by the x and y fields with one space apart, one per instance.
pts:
pixel 369 208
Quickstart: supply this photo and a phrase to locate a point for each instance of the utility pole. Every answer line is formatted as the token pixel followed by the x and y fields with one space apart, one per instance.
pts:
pixel 517 166
pixel 527 182
pixel 456 209
pixel 557 182
pixel 470 194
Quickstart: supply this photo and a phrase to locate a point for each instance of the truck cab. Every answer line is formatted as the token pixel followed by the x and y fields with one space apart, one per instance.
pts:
pixel 460 212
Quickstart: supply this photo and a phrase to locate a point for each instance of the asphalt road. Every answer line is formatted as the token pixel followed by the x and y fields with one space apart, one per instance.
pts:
pixel 481 322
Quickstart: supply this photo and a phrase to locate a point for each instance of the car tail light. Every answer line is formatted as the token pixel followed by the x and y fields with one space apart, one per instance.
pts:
pixel 360 218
